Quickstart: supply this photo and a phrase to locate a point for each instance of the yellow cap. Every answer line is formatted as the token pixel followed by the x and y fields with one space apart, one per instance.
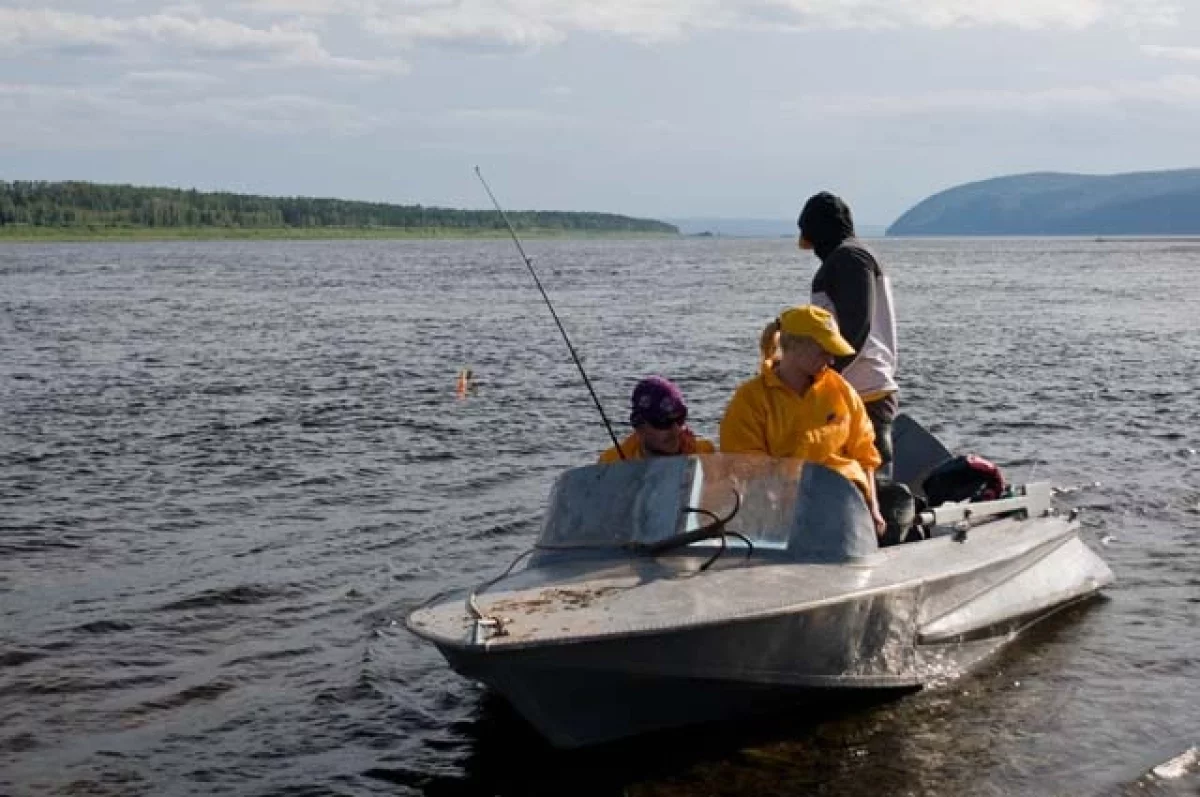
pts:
pixel 810 321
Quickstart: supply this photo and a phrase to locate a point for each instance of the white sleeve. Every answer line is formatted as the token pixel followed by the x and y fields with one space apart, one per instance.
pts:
pixel 821 299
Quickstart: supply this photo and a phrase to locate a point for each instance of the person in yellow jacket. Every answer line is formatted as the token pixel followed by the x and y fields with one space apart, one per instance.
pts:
pixel 659 419
pixel 799 406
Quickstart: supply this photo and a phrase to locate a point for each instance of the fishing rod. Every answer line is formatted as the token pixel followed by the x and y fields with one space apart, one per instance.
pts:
pixel 561 329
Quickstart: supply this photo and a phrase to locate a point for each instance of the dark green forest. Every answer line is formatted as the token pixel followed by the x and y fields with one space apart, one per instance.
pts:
pixel 74 205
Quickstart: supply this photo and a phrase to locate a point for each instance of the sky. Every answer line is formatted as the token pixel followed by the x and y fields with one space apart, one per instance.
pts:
pixel 659 108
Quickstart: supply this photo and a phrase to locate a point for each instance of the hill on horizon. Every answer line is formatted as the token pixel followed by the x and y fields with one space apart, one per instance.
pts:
pixel 1054 203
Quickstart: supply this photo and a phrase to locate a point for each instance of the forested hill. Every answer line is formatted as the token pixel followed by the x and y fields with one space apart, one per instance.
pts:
pixel 1141 203
pixel 91 205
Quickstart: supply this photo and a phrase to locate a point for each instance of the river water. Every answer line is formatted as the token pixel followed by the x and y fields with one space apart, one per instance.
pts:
pixel 228 469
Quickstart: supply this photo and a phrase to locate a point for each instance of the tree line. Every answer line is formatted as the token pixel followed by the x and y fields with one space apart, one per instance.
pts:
pixel 69 204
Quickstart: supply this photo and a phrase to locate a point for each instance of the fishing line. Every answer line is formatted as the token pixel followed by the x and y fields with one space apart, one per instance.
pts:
pixel 563 331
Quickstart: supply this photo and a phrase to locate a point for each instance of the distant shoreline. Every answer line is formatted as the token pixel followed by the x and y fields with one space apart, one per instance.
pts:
pixel 79 210
pixel 26 234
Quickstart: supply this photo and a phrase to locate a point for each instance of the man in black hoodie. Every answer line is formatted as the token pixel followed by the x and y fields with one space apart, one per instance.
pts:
pixel 851 284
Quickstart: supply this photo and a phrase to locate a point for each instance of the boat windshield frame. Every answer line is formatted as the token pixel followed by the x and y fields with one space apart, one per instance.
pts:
pixel 641 503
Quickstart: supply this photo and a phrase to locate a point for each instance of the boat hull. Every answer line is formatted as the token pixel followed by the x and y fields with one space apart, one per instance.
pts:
pixel 584 691
pixel 581 708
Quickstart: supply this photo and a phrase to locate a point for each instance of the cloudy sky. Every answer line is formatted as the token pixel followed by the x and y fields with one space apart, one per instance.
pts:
pixel 666 108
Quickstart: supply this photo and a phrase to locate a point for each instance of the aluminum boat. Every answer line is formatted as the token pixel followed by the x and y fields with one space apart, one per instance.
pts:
pixel 672 591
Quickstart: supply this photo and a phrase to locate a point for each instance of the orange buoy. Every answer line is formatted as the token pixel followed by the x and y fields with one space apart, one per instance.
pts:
pixel 463 384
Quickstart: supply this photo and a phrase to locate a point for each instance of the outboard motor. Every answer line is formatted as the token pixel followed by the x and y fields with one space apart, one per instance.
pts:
pixel 963 478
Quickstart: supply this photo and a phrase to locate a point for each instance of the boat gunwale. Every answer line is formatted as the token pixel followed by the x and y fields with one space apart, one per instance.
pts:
pixel 502 644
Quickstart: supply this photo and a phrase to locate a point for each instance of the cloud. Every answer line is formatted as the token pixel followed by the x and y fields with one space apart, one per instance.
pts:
pixel 169 80
pixel 1175 91
pixel 174 35
pixel 54 116
pixel 509 118
pixel 288 33
pixel 279 114
pixel 1176 53
pixel 313 8
pixel 543 22
pixel 533 23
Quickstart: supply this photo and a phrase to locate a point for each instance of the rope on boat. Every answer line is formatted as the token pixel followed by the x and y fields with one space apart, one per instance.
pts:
pixel 492 622
pixel 714 530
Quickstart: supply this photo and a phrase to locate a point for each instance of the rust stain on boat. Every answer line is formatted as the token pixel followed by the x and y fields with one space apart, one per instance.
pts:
pixel 553 599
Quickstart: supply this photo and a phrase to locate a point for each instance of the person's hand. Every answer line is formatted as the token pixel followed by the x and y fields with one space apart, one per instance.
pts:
pixel 880 523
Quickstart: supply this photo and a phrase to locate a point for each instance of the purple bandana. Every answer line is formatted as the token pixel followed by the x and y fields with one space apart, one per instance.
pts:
pixel 657 401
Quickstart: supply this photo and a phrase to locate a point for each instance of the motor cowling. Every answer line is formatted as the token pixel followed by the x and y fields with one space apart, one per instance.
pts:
pixel 963 478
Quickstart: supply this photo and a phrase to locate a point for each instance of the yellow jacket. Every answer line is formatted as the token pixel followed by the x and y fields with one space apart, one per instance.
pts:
pixel 827 425
pixel 632 446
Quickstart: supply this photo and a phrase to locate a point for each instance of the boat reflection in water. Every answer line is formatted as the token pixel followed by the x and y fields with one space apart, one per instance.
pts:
pixel 668 592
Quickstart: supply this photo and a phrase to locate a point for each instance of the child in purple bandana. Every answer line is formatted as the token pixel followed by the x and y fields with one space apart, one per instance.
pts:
pixel 658 415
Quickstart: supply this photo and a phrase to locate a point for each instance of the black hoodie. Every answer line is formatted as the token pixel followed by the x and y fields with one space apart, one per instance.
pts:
pixel 848 271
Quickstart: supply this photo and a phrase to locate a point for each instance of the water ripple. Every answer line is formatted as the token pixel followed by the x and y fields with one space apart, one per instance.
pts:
pixel 228 469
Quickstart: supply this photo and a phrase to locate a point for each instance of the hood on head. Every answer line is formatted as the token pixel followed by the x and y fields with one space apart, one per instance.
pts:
pixel 826 222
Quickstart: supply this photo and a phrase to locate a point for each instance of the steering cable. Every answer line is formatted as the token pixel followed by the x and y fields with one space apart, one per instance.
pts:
pixel 714 530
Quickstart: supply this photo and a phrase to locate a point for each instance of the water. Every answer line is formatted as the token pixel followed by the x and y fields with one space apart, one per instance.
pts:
pixel 228 469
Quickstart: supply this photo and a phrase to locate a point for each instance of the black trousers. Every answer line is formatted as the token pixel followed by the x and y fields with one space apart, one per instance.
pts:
pixel 881 413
